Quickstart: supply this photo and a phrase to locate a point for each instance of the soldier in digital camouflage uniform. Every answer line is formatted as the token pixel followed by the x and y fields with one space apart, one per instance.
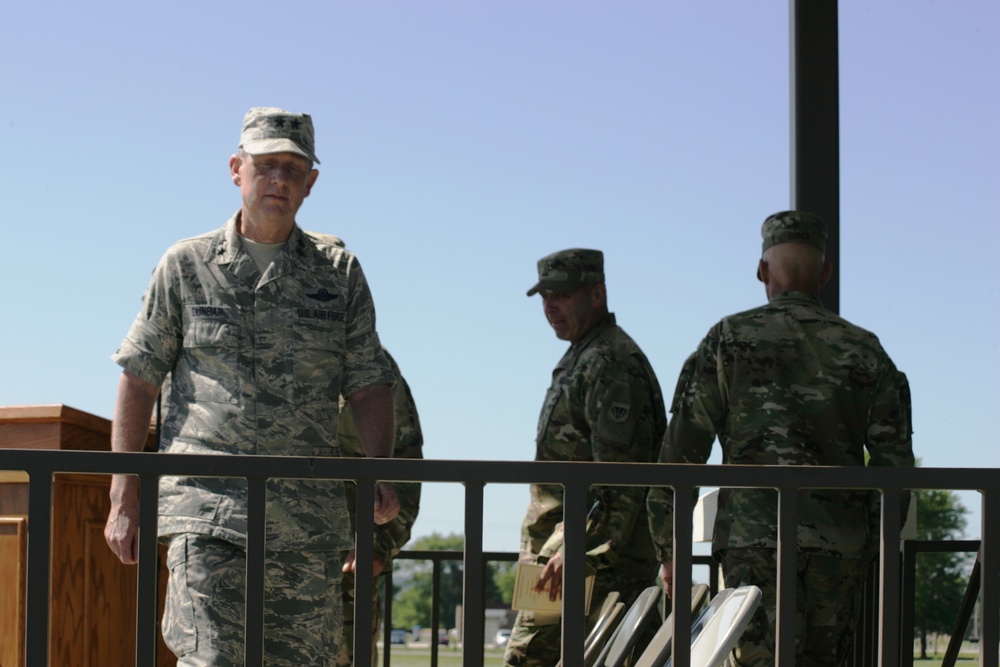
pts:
pixel 389 537
pixel 790 383
pixel 604 404
pixel 261 328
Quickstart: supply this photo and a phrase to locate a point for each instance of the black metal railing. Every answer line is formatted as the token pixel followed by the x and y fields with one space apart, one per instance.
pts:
pixel 576 478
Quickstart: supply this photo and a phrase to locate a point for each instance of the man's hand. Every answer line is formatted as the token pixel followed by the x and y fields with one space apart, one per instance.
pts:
pixel 552 577
pixel 122 528
pixel 129 430
pixel 386 503
pixel 350 564
pixel 667 577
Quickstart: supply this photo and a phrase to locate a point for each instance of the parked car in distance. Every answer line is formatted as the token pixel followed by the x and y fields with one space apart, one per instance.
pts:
pixel 397 636
pixel 442 637
pixel 503 634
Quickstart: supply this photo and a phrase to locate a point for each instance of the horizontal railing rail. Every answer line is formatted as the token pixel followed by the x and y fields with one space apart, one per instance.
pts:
pixel 576 478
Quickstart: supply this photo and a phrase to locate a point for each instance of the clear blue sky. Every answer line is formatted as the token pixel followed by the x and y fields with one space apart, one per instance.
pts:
pixel 460 142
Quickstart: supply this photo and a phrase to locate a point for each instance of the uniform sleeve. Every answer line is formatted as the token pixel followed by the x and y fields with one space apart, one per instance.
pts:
pixel 152 344
pixel 407 444
pixel 890 433
pixel 687 441
pixel 623 426
pixel 409 441
pixel 365 364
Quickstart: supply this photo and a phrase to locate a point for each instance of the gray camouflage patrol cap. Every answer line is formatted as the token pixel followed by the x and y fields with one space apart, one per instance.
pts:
pixel 793 227
pixel 272 130
pixel 564 271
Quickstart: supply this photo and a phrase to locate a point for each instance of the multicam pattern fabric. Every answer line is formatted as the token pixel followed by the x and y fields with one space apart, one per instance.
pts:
pixel 389 537
pixel 566 270
pixel 828 605
pixel 257 364
pixel 605 405
pixel 204 615
pixel 789 383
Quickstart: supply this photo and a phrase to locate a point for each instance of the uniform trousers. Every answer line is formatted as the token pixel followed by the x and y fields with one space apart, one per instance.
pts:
pixel 828 596
pixel 204 616
pixel 346 655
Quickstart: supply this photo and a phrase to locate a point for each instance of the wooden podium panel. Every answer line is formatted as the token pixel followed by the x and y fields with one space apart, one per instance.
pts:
pixel 93 595
pixel 13 554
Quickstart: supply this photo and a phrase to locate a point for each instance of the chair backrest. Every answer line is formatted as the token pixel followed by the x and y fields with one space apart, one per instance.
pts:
pixel 720 626
pixel 658 651
pixel 609 603
pixel 619 649
pixel 607 622
pixel 602 634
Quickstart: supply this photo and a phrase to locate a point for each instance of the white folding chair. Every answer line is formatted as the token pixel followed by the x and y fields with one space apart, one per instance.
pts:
pixel 602 635
pixel 605 625
pixel 658 650
pixel 609 603
pixel 619 649
pixel 720 626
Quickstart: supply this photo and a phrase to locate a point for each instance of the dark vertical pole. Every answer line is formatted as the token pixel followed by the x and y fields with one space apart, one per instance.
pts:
pixel 474 572
pixel 256 531
pixel 364 551
pixel 788 507
pixel 815 124
pixel 989 554
pixel 38 584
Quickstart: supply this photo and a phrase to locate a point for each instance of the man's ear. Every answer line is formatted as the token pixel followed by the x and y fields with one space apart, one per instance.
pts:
pixel 763 272
pixel 234 169
pixel 310 179
pixel 827 272
pixel 599 295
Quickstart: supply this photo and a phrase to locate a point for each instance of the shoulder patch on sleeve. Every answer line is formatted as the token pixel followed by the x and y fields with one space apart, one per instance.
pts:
pixel 618 413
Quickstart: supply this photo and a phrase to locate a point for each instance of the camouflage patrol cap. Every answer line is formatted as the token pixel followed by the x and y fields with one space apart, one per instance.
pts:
pixel 272 130
pixel 564 271
pixel 793 227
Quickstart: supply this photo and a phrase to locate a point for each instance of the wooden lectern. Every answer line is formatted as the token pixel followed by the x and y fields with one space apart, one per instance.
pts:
pixel 93 605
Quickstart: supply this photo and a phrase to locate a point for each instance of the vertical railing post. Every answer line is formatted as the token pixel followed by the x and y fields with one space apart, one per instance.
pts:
pixel 38 589
pixel 435 609
pixel 908 598
pixel 889 601
pixel 147 588
pixel 474 572
pixel 574 572
pixel 788 552
pixel 681 601
pixel 364 552
pixel 989 642
pixel 253 631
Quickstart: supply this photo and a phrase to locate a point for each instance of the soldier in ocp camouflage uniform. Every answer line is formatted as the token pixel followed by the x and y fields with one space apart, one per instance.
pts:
pixel 261 328
pixel 389 537
pixel 604 404
pixel 790 383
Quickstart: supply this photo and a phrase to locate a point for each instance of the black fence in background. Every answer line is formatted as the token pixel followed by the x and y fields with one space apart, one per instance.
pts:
pixel 887 624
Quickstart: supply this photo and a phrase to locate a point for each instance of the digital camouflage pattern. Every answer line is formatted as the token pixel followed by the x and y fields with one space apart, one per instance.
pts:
pixel 272 130
pixel 605 405
pixel 389 537
pixel 788 383
pixel 257 365
pixel 205 624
